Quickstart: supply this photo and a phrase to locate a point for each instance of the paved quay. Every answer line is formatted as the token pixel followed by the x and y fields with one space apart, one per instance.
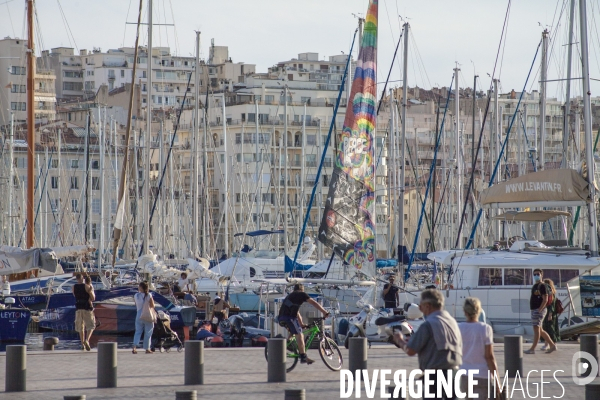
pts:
pixel 241 373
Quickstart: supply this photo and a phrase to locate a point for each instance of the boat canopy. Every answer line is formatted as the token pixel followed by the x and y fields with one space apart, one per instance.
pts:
pixel 550 188
pixel 261 232
pixel 532 216
pixel 14 260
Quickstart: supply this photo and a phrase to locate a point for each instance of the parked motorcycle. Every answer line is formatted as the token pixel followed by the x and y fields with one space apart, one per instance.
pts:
pixel 380 325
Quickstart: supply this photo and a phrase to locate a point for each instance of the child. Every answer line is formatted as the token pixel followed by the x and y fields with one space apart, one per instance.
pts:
pixel 88 287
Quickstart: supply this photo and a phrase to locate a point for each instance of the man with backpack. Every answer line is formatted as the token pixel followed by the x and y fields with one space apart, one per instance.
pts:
pixel 541 297
pixel 289 315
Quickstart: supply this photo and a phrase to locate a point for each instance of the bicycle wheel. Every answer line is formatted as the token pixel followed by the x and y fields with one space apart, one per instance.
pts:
pixel 330 354
pixel 292 355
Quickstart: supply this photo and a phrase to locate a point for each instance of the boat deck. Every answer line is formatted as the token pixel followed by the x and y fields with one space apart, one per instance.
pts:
pixel 239 373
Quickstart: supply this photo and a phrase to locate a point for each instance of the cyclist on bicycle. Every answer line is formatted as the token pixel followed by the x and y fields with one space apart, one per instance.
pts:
pixel 290 316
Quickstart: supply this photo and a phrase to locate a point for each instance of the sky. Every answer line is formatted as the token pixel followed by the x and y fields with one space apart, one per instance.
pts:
pixel 264 32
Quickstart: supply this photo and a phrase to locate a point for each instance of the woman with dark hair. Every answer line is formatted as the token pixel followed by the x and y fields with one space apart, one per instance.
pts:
pixel 143 298
pixel 550 324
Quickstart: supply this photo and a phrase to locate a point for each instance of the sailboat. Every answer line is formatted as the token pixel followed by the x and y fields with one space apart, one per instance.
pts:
pixel 502 277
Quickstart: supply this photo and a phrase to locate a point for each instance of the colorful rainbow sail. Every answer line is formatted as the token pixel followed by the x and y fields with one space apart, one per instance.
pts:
pixel 348 225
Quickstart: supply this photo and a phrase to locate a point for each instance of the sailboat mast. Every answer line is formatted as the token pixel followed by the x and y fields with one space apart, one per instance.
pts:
pixel 285 183
pixel 567 109
pixel 30 125
pixel 402 143
pixel 194 247
pixel 543 79
pixel 587 125
pixel 102 141
pixel 146 216
pixel 259 173
pixel 458 169
pixel 11 239
pixel 226 181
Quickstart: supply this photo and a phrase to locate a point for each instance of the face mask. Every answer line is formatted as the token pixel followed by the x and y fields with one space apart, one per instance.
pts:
pixel 536 278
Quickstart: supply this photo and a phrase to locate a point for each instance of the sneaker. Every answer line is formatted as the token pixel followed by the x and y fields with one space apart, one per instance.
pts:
pixel 544 347
pixel 86 345
pixel 306 360
pixel 529 351
pixel 551 350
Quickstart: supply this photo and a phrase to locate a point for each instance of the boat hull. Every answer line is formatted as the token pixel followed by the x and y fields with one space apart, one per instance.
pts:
pixel 13 324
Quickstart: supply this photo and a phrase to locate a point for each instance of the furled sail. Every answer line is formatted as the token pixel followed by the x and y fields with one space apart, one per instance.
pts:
pixel 348 225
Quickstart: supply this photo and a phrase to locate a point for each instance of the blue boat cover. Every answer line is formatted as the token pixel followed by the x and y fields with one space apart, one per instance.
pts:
pixel 260 233
pixel 386 262
pixel 289 266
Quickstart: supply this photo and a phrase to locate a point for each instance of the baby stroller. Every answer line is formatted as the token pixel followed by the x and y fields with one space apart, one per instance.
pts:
pixel 163 338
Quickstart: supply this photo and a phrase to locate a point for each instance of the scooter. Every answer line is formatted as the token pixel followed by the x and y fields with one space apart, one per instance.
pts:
pixel 380 325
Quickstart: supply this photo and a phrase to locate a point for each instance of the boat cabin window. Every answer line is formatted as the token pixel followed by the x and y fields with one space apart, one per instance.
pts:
pixel 560 277
pixel 517 276
pixel 490 277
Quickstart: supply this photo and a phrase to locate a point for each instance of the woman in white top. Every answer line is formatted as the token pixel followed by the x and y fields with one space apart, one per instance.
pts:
pixel 141 297
pixel 478 351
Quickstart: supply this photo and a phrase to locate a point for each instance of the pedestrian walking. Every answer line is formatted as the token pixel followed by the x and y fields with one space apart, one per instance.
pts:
pixel 85 321
pixel 550 324
pixel 537 304
pixel 390 293
pixel 478 349
pixel 438 342
pixel 144 323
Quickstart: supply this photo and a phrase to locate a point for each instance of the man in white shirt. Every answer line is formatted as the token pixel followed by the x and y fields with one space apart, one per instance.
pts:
pixel 182 286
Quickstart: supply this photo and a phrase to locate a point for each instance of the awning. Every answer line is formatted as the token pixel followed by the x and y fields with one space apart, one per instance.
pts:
pixel 549 188
pixel 532 216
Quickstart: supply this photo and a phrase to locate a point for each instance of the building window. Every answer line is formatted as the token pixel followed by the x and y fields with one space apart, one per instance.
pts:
pixel 54 182
pixel 311 140
pixel 122 73
pixel 74 182
pixel 74 205
pixel 18 106
pixel 95 183
pixel 96 206
pixel 94 230
pixel 54 204
pixel 18 89
pixel 18 70
pixel 95 164
pixel 74 164
pixel 54 164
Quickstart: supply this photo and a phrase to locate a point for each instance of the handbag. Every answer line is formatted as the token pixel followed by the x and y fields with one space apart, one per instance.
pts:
pixel 148 313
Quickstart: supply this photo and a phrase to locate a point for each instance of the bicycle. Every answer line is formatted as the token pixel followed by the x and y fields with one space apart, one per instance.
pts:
pixel 328 349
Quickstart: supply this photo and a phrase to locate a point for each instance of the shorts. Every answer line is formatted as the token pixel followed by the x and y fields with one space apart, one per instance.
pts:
pixel 537 317
pixel 292 323
pixel 84 319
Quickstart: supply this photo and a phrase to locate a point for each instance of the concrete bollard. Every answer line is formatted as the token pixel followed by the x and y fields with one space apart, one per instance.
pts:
pixel 80 397
pixel 589 344
pixel 513 355
pixel 295 394
pixel 107 365
pixel 49 343
pixel 357 353
pixel 194 362
pixel 186 395
pixel 592 390
pixel 276 352
pixel 16 368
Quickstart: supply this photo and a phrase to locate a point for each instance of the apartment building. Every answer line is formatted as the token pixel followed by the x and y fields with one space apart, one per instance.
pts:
pixel 13 85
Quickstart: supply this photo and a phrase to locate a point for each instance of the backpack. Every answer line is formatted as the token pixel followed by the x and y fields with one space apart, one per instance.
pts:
pixel 558 309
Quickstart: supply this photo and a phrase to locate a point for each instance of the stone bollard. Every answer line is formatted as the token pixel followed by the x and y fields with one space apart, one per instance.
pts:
pixel 513 355
pixel 79 397
pixel 50 342
pixel 295 394
pixel 107 365
pixel 16 368
pixel 276 353
pixel 188 394
pixel 194 363
pixel 592 390
pixel 357 353
pixel 589 344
